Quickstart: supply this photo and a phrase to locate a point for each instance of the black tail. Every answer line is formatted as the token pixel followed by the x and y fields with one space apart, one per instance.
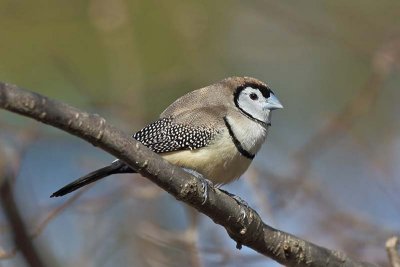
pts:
pixel 115 167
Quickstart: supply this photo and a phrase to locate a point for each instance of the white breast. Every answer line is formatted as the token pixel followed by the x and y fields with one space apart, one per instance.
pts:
pixel 249 133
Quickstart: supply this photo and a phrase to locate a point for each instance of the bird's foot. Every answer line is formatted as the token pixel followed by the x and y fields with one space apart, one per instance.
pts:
pixel 242 203
pixel 244 206
pixel 205 183
pixel 238 199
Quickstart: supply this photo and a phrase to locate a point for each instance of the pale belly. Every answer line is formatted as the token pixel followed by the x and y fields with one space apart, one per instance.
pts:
pixel 220 162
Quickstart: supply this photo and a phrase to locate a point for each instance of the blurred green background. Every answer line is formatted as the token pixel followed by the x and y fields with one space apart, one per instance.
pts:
pixel 328 173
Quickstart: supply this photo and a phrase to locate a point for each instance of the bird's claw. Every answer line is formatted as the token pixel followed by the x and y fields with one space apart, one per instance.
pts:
pixel 205 183
pixel 240 202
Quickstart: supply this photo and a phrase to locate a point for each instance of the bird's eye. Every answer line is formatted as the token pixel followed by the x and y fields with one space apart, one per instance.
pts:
pixel 253 96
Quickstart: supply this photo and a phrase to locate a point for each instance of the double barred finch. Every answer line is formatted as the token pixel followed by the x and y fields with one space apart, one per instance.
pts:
pixel 215 131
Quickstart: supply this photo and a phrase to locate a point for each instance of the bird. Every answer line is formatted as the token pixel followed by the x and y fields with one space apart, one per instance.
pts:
pixel 214 131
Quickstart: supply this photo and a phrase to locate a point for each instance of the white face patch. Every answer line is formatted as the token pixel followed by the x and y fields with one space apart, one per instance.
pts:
pixel 253 103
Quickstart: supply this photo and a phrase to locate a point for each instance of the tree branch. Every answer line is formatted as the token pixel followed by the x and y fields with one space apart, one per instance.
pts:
pixel 251 231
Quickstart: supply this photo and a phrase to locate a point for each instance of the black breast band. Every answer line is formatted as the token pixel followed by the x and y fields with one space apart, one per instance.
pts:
pixel 237 143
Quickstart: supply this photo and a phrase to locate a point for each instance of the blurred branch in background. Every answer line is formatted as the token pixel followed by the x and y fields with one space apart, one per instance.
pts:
pixel 10 158
pixel 383 63
pixel 21 237
pixel 385 60
pixel 8 170
pixel 248 230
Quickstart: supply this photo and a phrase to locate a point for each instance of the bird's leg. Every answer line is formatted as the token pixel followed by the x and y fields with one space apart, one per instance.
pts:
pixel 205 183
